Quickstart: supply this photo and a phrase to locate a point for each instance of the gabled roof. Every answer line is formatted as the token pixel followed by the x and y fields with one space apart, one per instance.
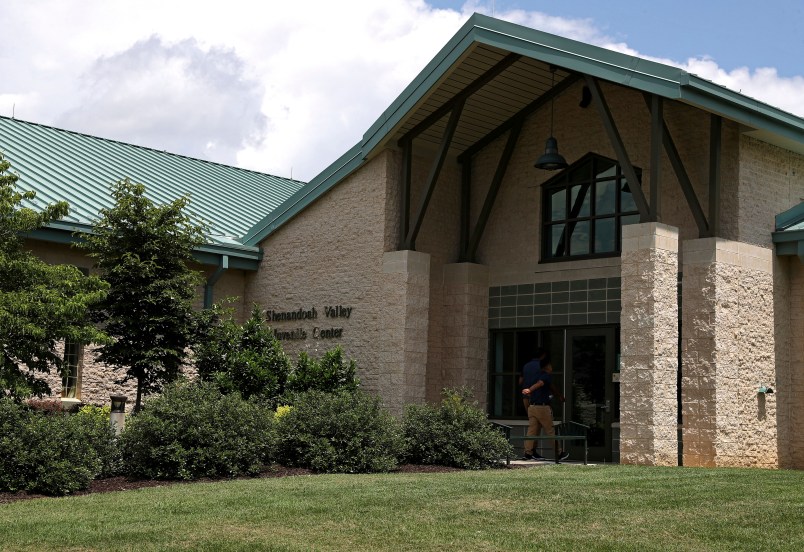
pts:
pixel 484 43
pixel 64 165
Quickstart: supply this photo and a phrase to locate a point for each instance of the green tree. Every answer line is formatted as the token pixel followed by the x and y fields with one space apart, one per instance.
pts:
pixel 245 358
pixel 143 250
pixel 331 373
pixel 40 304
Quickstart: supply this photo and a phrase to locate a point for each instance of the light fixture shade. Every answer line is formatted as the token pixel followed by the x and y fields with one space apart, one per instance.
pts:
pixel 551 160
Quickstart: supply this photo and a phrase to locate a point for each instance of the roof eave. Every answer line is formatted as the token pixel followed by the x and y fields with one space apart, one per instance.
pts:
pixel 319 185
pixel 243 257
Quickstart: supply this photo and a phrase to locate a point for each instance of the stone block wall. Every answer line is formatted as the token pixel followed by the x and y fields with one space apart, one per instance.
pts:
pixel 96 381
pixel 794 395
pixel 332 254
pixel 649 344
pixel 406 289
pixel 728 351
pixel 465 343
pixel 771 180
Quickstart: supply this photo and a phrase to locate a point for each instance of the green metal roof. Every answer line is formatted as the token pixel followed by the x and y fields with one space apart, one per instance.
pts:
pixel 77 168
pixel 760 120
pixel 789 234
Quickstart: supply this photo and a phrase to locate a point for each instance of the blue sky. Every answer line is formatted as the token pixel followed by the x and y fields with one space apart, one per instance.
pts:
pixel 735 33
pixel 287 87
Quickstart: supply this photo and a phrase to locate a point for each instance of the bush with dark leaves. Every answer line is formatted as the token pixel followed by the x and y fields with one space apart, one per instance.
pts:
pixel 193 430
pixel 347 431
pixel 456 433
pixel 53 454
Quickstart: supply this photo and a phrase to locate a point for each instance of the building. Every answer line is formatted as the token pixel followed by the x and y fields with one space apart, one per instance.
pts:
pixel 661 265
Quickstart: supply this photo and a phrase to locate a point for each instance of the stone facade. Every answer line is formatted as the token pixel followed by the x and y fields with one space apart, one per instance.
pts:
pixel 418 321
pixel 793 396
pixel 466 300
pixel 406 290
pixel 771 180
pixel 649 344
pixel 728 352
pixel 330 255
pixel 96 381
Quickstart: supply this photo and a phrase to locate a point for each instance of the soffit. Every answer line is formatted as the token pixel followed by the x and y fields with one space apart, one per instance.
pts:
pixel 509 92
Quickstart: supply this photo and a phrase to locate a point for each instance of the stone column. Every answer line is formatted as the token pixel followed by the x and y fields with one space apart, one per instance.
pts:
pixel 405 320
pixel 795 395
pixel 465 342
pixel 728 350
pixel 649 345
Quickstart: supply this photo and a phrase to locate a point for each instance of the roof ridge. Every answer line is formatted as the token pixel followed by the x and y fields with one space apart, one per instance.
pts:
pixel 162 152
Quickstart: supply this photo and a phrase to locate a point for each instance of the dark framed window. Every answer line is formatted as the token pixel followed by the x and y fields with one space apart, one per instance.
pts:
pixel 71 371
pixel 584 208
pixel 510 350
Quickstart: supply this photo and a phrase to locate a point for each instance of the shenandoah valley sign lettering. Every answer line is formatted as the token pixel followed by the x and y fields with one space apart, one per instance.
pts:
pixel 337 312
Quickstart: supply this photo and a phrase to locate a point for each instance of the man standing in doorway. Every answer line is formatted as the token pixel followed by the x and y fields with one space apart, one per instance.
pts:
pixel 537 382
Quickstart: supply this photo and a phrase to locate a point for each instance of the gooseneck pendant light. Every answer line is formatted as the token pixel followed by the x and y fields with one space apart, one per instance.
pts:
pixel 551 160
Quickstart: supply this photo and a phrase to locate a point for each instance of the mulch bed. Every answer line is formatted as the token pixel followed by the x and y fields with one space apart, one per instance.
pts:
pixel 123 484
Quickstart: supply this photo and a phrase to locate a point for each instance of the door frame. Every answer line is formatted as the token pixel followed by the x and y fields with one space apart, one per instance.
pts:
pixel 609 408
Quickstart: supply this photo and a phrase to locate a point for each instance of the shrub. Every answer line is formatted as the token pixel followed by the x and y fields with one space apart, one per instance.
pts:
pixel 345 432
pixel 331 373
pixel 95 422
pixel 241 358
pixel 193 430
pixel 50 454
pixel 455 433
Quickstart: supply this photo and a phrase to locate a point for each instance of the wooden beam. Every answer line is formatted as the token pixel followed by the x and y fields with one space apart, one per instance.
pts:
pixel 683 179
pixel 656 127
pixel 491 195
pixel 466 206
pixel 461 96
pixel 404 192
pixel 435 170
pixel 715 140
pixel 619 148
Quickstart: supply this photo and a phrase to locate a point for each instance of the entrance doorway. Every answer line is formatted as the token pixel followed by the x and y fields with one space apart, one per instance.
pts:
pixel 584 360
pixel 592 398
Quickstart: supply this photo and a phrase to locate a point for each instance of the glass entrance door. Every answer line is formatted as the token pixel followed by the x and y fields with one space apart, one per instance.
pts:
pixel 590 395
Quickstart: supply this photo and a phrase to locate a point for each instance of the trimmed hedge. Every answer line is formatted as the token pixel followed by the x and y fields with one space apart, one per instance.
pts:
pixel 193 430
pixel 340 432
pixel 456 433
pixel 53 454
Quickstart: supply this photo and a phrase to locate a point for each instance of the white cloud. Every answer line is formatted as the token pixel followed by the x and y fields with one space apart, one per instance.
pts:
pixel 177 97
pixel 269 86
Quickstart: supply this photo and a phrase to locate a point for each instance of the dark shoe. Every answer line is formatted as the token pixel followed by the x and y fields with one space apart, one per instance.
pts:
pixel 563 456
pixel 527 456
pixel 536 456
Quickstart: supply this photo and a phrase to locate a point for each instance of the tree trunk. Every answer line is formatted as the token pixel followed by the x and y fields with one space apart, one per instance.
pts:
pixel 138 402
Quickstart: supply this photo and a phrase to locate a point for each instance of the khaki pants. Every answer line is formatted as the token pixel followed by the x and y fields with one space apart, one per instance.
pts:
pixel 539 417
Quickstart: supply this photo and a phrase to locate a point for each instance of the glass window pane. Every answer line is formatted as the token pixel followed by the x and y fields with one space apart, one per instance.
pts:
pixel 605 235
pixel 579 238
pixel 558 204
pixel 579 201
pixel 69 382
pixel 555 240
pixel 605 197
pixel 627 202
pixel 504 352
pixel 629 219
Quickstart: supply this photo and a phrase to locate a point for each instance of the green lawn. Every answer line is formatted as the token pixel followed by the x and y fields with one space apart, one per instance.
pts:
pixel 566 507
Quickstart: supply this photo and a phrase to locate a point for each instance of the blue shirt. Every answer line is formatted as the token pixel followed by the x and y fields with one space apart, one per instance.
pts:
pixel 531 373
